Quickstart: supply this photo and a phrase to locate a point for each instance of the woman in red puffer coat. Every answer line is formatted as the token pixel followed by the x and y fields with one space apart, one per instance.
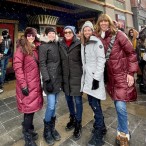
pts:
pixel 28 86
pixel 121 66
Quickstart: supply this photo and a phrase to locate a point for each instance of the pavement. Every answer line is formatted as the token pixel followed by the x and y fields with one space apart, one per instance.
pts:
pixel 11 130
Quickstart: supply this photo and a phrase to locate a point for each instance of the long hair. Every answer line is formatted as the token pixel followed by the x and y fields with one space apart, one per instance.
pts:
pixel 23 42
pixel 105 17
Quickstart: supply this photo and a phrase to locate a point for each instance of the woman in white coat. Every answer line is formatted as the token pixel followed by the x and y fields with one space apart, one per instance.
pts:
pixel 93 60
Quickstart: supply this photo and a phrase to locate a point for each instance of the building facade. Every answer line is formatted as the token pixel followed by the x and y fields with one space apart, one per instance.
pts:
pixel 139 13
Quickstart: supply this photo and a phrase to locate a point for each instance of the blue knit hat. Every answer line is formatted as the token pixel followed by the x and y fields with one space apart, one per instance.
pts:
pixel 72 28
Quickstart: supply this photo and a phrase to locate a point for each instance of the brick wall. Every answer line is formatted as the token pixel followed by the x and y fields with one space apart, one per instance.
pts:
pixel 135 4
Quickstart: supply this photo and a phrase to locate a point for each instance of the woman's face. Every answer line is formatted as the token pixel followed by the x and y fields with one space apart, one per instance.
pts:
pixel 68 34
pixel 51 36
pixel 87 32
pixel 30 38
pixel 104 25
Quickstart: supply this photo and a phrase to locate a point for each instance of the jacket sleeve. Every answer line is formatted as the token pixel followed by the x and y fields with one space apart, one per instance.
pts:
pixel 100 57
pixel 18 68
pixel 126 45
pixel 43 63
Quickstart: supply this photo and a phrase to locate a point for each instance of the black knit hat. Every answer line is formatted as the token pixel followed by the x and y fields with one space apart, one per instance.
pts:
pixel 49 29
pixel 5 32
pixel 30 30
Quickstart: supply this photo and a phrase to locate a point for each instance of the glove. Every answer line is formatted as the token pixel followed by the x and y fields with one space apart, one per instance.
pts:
pixel 95 84
pixel 25 91
pixel 49 86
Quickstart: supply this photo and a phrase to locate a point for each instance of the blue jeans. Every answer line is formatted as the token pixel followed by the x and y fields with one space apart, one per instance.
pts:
pixel 98 115
pixel 122 116
pixel 51 106
pixel 4 63
pixel 79 106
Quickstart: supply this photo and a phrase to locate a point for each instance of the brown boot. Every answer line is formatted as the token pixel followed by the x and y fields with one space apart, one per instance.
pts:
pixel 122 140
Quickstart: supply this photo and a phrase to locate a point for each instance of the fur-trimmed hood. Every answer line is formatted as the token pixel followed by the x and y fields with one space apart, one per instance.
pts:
pixel 43 38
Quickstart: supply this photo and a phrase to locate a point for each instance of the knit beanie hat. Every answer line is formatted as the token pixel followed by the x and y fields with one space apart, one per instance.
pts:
pixel 87 24
pixel 30 30
pixel 49 29
pixel 72 28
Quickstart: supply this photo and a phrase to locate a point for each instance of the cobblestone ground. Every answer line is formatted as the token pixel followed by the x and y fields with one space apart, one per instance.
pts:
pixel 11 130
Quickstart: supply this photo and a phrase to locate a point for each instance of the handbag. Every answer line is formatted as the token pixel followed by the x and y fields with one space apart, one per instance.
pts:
pixel 107 55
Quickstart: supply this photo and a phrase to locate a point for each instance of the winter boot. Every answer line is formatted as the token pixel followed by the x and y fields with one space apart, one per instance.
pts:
pixel 32 132
pixel 122 139
pixel 47 133
pixel 28 139
pixel 77 131
pixel 96 139
pixel 104 130
pixel 54 132
pixel 71 124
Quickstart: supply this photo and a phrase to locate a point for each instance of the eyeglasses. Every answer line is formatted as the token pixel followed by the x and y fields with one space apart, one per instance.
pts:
pixel 68 32
pixel 30 35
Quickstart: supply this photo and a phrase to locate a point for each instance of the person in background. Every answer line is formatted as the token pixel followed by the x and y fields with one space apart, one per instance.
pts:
pixel 132 35
pixel 70 52
pixel 8 51
pixel 28 85
pixel 93 60
pixel 2 46
pixel 50 67
pixel 121 66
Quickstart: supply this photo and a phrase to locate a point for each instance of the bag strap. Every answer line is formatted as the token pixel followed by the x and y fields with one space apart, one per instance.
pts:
pixel 108 52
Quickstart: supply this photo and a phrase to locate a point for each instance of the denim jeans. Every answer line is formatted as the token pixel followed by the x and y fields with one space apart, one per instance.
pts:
pixel 122 116
pixel 51 106
pixel 79 106
pixel 98 115
pixel 4 63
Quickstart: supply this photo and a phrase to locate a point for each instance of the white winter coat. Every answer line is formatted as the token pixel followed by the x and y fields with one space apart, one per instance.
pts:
pixel 93 60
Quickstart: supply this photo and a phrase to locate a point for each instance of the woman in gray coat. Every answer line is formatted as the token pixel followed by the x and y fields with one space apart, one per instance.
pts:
pixel 50 67
pixel 93 59
pixel 70 51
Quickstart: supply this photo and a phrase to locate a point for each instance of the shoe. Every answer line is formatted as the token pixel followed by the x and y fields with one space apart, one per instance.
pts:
pixel 71 124
pixel 96 139
pixel 54 132
pixel 1 90
pixel 122 139
pixel 28 139
pixel 31 131
pixel 47 133
pixel 77 131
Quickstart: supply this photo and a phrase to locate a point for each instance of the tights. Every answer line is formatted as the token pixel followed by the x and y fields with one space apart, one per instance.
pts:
pixel 28 121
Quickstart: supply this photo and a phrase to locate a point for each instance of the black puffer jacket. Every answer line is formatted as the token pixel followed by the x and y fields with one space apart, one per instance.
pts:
pixel 71 67
pixel 50 66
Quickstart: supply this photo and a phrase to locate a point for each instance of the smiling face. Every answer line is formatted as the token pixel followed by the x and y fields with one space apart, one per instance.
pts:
pixel 68 34
pixel 30 38
pixel 104 25
pixel 51 36
pixel 87 32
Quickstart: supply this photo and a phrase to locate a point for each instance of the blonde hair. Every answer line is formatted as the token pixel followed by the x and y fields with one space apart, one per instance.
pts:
pixel 105 17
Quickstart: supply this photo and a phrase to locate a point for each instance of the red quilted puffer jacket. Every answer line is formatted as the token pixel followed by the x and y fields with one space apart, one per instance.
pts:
pixel 122 61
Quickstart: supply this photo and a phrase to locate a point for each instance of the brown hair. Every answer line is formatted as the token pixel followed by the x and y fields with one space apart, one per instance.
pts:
pixel 23 42
pixel 105 17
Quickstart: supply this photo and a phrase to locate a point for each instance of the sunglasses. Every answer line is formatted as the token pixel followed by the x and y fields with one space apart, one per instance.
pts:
pixel 68 32
pixel 30 35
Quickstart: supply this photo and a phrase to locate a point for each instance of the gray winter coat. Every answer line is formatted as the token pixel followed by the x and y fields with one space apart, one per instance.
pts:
pixel 71 67
pixel 50 65
pixel 93 59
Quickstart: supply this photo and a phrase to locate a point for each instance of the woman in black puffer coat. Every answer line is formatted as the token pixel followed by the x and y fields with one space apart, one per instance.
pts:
pixel 50 67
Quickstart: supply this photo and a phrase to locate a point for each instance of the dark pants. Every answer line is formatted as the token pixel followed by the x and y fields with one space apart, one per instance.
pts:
pixel 79 106
pixel 28 121
pixel 96 107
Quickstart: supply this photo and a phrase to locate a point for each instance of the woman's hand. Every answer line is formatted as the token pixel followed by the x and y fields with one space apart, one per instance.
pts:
pixel 130 80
